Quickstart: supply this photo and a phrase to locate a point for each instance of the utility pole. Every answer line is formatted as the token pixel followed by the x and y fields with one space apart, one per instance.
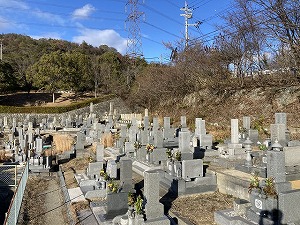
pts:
pixel 188 14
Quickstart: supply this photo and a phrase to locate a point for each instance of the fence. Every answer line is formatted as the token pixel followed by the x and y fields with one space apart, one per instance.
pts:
pixel 15 204
pixel 8 176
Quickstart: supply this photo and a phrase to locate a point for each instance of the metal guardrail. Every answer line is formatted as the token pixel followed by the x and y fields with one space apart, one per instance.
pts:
pixel 15 204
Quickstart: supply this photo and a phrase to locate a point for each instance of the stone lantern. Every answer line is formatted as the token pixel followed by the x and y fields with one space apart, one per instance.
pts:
pixel 248 149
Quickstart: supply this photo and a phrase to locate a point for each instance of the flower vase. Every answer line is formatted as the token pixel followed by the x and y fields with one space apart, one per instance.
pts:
pixel 139 219
pixel 134 154
pixel 171 168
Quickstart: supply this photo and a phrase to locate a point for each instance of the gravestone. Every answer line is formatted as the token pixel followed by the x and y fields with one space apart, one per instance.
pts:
pixel 146 112
pixel 155 126
pixel 278 133
pixel 123 131
pixel 206 140
pixel 39 145
pixel 94 168
pixel 117 204
pixel 80 141
pixel 153 208
pixel 246 122
pixel 146 123
pixel 129 147
pixel 91 108
pixel 200 127
pixel 192 169
pixel 184 141
pixel 234 143
pixel 234 131
pixel 143 137
pixel 126 174
pixel 276 169
pixel 253 135
pixel 183 121
pixel 112 169
pixel 280 118
pixel 5 122
pixel 168 132
pixel 159 155
pixel 99 152
pixel 158 139
pixel 132 134
pixel 111 108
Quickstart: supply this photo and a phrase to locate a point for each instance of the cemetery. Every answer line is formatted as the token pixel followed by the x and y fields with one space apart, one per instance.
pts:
pixel 134 168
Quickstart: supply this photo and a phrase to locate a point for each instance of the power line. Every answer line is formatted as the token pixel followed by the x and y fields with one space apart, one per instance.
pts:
pixel 162 29
pixel 172 3
pixel 162 14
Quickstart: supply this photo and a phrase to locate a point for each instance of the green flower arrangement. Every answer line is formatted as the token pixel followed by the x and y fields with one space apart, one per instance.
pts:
pixel 263 147
pixel 178 156
pixel 169 153
pixel 139 205
pixel 137 145
pixel 131 199
pixel 104 175
pixel 254 183
pixel 269 188
pixel 113 186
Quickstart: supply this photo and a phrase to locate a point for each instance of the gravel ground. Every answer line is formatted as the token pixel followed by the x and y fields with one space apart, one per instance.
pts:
pixel 199 209
pixel 43 202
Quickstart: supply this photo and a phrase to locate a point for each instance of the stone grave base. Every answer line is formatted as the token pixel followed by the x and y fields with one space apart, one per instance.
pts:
pixel 232 182
pixel 292 173
pixel 141 167
pixel 259 218
pixel 95 194
pixel 161 221
pixel 99 211
pixel 181 187
pixel 228 217
pixel 226 162
pixel 262 171
pixel 38 169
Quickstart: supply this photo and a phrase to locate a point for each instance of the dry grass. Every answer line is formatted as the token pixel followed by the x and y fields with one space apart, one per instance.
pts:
pixel 199 209
pixel 107 140
pixel 33 203
pixel 76 164
pixel 76 207
pixel 72 167
pixel 62 143
pixel 3 157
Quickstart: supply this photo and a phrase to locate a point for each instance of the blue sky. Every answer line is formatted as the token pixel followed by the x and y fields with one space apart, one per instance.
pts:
pixel 101 22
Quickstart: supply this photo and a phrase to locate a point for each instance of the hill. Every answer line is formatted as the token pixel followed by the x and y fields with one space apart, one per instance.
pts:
pixel 217 109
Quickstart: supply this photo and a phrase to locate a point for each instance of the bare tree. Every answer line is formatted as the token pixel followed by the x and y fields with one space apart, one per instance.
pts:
pixel 277 21
pixel 243 40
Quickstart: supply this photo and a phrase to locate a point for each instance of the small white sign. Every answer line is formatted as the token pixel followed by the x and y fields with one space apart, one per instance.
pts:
pixel 264 159
pixel 258 203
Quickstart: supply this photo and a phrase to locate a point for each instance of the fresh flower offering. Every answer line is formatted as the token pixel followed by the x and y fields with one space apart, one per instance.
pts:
pixel 150 148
